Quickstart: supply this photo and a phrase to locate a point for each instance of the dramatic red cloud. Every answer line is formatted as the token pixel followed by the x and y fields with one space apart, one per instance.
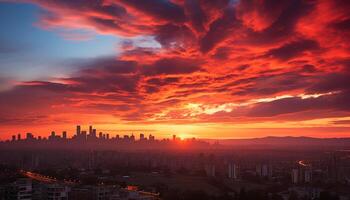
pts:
pixel 243 64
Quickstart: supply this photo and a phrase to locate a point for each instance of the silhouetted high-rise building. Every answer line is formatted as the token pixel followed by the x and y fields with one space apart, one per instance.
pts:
pixel 83 135
pixel 94 133
pixel 52 136
pixel 78 130
pixel 334 167
pixel 29 136
pixel 100 135
pixel 132 137
pixel 90 130
pixel 13 138
pixel 142 136
pixel 64 135
pixel 19 137
pixel 151 138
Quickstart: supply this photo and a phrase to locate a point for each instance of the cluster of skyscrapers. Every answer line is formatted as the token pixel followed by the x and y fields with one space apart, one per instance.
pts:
pixel 82 135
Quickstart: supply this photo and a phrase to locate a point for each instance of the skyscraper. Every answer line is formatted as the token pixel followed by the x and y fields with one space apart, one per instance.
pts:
pixel 142 136
pixel 151 137
pixel 295 176
pixel 94 133
pixel 64 135
pixel 83 135
pixel 233 171
pixel 29 136
pixel 78 130
pixel 90 130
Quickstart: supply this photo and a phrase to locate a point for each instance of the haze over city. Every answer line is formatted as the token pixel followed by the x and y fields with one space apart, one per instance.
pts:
pixel 205 69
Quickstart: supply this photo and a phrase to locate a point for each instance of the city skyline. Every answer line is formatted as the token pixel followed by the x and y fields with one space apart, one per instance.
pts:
pixel 90 133
pixel 204 69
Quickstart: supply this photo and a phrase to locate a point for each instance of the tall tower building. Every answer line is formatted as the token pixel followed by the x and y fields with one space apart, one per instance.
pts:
pixel 94 133
pixel 132 137
pixel 233 171
pixel 308 176
pixel 142 136
pixel 78 130
pixel 295 176
pixel 29 136
pixel 90 130
pixel 83 135
pixel 64 135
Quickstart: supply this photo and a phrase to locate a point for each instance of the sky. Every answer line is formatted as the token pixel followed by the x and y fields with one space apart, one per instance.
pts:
pixel 194 68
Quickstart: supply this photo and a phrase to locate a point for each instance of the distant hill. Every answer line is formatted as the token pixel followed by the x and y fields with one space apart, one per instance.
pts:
pixel 288 141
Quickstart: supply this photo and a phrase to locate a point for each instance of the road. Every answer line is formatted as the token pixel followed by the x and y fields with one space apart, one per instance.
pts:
pixel 45 179
pixel 302 163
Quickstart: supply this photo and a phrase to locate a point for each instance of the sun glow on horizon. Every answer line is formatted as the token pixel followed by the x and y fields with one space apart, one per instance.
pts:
pixel 184 136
